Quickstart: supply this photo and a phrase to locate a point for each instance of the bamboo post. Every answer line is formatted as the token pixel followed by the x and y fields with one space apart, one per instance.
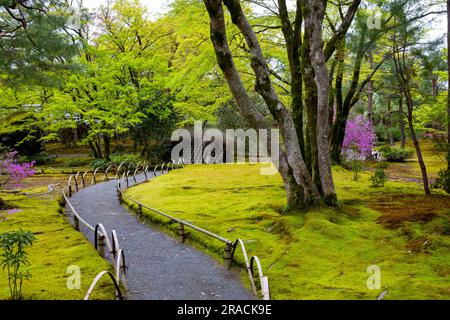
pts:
pixel 101 245
pixel 119 195
pixel 139 212
pixel 70 191
pixel 228 255
pixel 76 223
pixel 181 232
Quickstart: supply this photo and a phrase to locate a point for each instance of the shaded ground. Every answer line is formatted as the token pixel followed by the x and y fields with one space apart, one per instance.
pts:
pixel 160 268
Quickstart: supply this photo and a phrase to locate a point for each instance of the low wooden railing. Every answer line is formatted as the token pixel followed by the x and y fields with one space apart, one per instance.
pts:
pixel 78 181
pixel 230 246
pixel 101 240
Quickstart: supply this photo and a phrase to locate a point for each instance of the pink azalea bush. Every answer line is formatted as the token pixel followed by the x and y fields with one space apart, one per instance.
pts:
pixel 359 139
pixel 12 172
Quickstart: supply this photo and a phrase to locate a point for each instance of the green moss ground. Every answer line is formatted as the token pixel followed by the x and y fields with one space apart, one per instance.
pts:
pixel 325 253
pixel 57 247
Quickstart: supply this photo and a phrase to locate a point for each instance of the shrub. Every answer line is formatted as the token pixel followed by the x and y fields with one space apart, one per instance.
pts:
pixel 379 178
pixel 101 164
pixel 117 159
pixel 392 154
pixel 76 162
pixel 359 139
pixel 353 164
pixel 14 257
pixel 11 171
pixel 41 158
pixel 443 181
pixel 131 159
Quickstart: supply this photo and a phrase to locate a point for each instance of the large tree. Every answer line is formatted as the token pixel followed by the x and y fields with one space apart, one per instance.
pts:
pixel 305 164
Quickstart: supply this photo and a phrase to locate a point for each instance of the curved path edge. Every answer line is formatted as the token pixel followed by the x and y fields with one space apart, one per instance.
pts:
pixel 159 266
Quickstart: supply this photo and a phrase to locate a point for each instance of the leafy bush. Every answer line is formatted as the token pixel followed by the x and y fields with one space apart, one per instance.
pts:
pixel 76 162
pixel 13 172
pixel 41 158
pixel 101 164
pixel 392 154
pixel 131 159
pixel 117 159
pixel 384 133
pixel 355 166
pixel 379 178
pixel 443 181
pixel 14 257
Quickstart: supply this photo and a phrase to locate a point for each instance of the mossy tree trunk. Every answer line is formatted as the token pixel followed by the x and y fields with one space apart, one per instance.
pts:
pixel 305 163
pixel 300 189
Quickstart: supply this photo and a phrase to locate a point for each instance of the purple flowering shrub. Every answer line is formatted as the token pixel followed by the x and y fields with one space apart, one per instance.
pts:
pixel 12 172
pixel 359 139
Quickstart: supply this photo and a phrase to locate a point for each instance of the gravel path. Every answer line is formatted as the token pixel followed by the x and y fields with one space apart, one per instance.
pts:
pixel 159 266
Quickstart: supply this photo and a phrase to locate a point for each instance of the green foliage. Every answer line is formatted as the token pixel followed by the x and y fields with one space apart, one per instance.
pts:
pixel 34 40
pixel 20 132
pixel 379 178
pixel 101 164
pixel 14 258
pixel 131 159
pixel 443 181
pixel 74 162
pixel 393 154
pixel 117 159
pixel 155 130
pixel 42 158
pixel 356 166
pixel 384 133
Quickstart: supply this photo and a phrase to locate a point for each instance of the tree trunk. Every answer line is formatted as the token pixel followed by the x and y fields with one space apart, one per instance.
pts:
pixel 292 36
pixel 401 122
pixel 340 121
pixel 389 120
pixel 107 144
pixel 300 190
pixel 95 151
pixel 370 92
pixel 423 168
pixel 315 20
pixel 311 99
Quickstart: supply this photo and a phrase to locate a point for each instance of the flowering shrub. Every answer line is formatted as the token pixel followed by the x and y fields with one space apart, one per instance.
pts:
pixel 359 139
pixel 13 172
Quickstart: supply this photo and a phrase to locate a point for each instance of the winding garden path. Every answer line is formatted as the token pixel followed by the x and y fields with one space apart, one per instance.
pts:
pixel 159 266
